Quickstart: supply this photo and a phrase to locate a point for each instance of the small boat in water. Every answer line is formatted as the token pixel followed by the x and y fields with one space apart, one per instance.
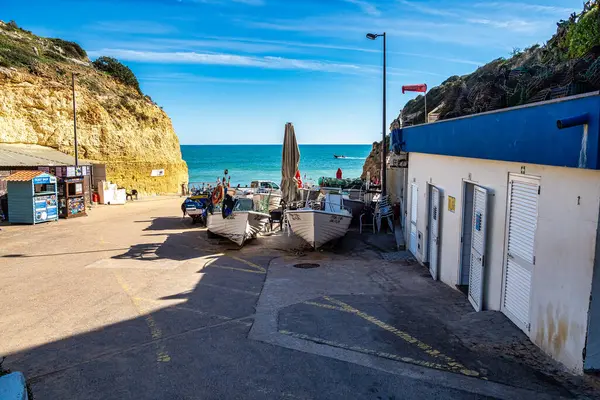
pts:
pixel 321 222
pixel 240 225
pixel 336 156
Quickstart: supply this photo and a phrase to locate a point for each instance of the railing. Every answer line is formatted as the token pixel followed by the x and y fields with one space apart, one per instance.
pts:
pixel 322 205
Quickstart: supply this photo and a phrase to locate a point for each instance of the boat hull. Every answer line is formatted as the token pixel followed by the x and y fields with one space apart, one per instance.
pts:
pixel 318 227
pixel 239 226
pixel 355 206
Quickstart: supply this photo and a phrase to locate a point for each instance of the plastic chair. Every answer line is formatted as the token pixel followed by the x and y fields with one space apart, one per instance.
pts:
pixel 367 215
pixel 277 217
pixel 384 210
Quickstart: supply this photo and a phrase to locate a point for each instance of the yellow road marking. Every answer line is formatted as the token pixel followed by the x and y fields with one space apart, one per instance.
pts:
pixel 210 263
pixel 449 361
pixel 328 306
pixel 237 269
pixel 249 263
pixel 365 351
pixel 177 307
pixel 161 352
pixel 228 289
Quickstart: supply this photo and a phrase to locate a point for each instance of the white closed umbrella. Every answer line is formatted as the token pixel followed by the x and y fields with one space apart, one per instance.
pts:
pixel 290 159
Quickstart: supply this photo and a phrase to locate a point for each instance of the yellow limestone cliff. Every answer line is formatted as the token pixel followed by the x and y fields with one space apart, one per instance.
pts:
pixel 116 124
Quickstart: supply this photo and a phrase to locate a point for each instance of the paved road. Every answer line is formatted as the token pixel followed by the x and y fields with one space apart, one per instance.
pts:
pixel 133 302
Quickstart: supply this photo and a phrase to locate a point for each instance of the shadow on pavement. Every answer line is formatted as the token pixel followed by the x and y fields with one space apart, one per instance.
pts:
pixel 192 344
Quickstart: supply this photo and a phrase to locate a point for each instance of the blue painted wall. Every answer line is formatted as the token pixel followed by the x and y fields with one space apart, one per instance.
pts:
pixel 527 135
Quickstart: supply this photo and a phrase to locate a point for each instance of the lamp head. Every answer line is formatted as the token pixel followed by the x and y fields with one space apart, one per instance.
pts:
pixel 371 36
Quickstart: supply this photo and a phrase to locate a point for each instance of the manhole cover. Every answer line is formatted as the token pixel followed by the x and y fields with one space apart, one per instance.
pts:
pixel 306 265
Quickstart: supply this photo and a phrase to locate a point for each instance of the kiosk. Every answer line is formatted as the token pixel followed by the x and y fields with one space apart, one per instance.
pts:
pixel 32 197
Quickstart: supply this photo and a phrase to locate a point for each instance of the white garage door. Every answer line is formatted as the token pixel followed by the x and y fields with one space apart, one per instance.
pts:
pixel 520 248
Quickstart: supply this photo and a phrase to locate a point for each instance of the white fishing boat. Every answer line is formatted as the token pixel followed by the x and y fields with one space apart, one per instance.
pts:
pixel 319 226
pixel 240 226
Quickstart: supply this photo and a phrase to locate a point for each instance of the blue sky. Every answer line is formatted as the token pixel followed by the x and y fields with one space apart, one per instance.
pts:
pixel 235 71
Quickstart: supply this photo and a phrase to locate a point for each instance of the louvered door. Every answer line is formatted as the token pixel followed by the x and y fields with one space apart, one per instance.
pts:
pixel 522 214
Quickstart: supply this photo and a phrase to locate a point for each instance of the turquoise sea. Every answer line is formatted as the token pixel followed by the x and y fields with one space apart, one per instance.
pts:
pixel 251 162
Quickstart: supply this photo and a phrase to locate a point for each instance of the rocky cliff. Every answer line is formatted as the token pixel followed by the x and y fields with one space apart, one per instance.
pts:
pixel 372 164
pixel 116 124
pixel 568 64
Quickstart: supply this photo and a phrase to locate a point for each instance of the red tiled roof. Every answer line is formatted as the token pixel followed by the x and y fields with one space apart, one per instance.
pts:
pixel 23 176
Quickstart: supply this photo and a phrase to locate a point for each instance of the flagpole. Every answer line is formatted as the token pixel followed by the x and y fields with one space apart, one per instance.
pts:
pixel 426 119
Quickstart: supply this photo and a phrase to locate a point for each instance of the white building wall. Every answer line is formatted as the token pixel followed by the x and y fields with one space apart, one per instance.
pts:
pixel 569 204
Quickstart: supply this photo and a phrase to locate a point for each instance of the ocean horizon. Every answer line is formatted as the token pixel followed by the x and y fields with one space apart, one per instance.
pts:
pixel 248 162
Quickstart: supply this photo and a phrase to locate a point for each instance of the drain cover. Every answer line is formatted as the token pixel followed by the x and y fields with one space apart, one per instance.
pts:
pixel 306 265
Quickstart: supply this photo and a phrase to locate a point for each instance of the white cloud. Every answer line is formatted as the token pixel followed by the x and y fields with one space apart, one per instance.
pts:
pixel 143 27
pixel 439 11
pixel 526 7
pixel 226 2
pixel 515 25
pixel 365 6
pixel 251 2
pixel 256 45
pixel 436 57
pixel 266 62
pixel 187 78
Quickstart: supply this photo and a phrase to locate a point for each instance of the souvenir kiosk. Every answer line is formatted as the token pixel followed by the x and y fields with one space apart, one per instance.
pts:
pixel 32 197
pixel 71 197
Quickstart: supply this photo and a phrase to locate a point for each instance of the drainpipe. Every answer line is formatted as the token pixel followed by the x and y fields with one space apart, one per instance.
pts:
pixel 577 120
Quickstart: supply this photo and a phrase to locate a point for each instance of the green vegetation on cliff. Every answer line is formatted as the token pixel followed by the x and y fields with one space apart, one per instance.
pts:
pixel 116 124
pixel 113 67
pixel 568 64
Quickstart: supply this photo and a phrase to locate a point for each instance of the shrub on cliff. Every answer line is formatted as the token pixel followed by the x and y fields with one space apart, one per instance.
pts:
pixel 113 67
pixel 71 49
pixel 585 34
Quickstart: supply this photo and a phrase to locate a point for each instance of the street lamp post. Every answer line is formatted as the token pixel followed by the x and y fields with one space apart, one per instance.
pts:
pixel 373 36
pixel 74 119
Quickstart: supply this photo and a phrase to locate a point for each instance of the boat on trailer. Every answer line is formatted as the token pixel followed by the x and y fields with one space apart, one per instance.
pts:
pixel 239 226
pixel 320 221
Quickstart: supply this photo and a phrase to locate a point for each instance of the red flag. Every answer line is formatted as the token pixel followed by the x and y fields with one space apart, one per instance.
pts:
pixel 415 88
pixel 298 180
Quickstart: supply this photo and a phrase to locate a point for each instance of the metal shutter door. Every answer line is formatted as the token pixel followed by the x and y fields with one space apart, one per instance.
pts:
pixel 434 232
pixel 520 249
pixel 479 227
pixel 413 218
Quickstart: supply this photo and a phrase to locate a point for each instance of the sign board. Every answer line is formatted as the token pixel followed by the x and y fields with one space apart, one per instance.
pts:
pixel 451 204
pixel 40 180
pixel 71 171
pixel 158 172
